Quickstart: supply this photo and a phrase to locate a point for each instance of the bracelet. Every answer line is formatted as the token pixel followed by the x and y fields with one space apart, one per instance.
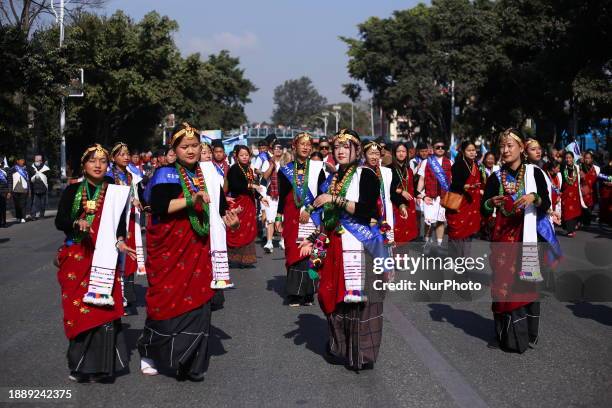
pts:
pixel 537 200
pixel 117 243
pixel 488 206
pixel 309 209
pixel 278 218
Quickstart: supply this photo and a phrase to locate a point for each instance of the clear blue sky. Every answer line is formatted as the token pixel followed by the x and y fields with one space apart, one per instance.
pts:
pixel 275 40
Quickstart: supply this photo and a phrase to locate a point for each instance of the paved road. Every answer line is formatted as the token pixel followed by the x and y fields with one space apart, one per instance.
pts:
pixel 267 354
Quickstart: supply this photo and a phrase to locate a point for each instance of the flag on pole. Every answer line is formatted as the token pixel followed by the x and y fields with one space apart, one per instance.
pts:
pixel 574 147
pixel 453 148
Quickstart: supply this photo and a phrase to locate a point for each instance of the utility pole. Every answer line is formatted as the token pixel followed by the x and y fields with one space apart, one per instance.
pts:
pixel 60 20
pixel 452 117
pixel 372 116
pixel 325 119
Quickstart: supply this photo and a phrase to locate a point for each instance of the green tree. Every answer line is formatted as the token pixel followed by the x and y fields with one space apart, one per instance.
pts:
pixel 297 103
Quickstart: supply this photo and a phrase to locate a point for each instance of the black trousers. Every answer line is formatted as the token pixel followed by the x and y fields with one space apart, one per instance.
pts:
pixel 39 204
pixel 2 208
pixel 20 201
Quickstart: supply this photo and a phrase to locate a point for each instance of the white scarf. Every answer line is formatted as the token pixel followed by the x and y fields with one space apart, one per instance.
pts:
pixel 104 263
pixel 18 178
pixel 387 175
pixel 218 244
pixel 314 169
pixel 530 265
pixel 40 174
pixel 140 257
pixel 353 254
pixel 577 172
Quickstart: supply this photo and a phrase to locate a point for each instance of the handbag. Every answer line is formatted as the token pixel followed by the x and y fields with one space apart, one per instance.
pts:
pixel 452 201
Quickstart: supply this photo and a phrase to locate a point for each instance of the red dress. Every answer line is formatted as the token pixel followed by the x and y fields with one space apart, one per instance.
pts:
pixel 179 269
pixel 73 276
pixel 465 222
pixel 505 262
pixel 404 229
pixel 247 232
pixel 588 180
pixel 605 203
pixel 570 198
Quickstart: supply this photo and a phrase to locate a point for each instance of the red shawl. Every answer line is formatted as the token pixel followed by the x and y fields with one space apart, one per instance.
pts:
pixel 465 222
pixel 247 232
pixel 506 261
pixel 588 181
pixel 179 269
pixel 432 185
pixel 291 224
pixel 331 283
pixel 73 276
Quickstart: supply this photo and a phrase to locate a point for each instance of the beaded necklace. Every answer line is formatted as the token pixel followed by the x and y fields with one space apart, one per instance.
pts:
pixel 248 173
pixel 569 179
pixel 331 213
pixel 117 177
pixel 511 188
pixel 190 186
pixel 299 178
pixel 90 205
pixel 403 176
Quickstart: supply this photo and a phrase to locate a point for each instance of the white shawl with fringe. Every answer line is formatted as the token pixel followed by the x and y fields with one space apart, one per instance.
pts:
pixel 218 244
pixel 104 262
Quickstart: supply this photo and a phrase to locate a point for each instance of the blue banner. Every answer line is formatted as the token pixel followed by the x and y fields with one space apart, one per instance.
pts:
pixel 287 171
pixel 23 172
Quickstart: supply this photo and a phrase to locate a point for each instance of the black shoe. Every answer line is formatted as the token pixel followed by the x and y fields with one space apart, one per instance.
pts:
pixel 196 377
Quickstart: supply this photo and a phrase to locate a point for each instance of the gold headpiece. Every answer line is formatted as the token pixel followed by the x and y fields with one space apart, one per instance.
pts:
pixel 344 136
pixel 118 147
pixel 530 142
pixel 511 133
pixel 188 132
pixel 302 135
pixel 372 145
pixel 99 152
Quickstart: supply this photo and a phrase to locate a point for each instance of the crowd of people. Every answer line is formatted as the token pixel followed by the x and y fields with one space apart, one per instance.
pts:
pixel 334 204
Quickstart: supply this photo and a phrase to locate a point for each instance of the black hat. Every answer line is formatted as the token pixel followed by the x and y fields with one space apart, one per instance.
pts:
pixel 421 146
pixel 217 143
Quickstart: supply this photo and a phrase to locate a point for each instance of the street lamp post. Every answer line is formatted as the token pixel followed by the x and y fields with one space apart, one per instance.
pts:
pixel 336 112
pixel 325 119
pixel 60 20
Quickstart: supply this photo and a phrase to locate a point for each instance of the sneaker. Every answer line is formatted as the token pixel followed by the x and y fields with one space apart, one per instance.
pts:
pixel 269 247
pixel 281 244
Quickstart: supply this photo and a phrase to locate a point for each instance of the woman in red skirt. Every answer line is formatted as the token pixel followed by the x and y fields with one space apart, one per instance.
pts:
pixel 605 195
pixel 519 193
pixel 184 266
pixel 242 187
pixel 405 227
pixel 589 172
pixel 96 348
pixel 571 195
pixel 464 223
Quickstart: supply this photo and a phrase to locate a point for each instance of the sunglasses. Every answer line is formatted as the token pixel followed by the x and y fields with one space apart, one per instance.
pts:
pixel 324 147
pixel 439 147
